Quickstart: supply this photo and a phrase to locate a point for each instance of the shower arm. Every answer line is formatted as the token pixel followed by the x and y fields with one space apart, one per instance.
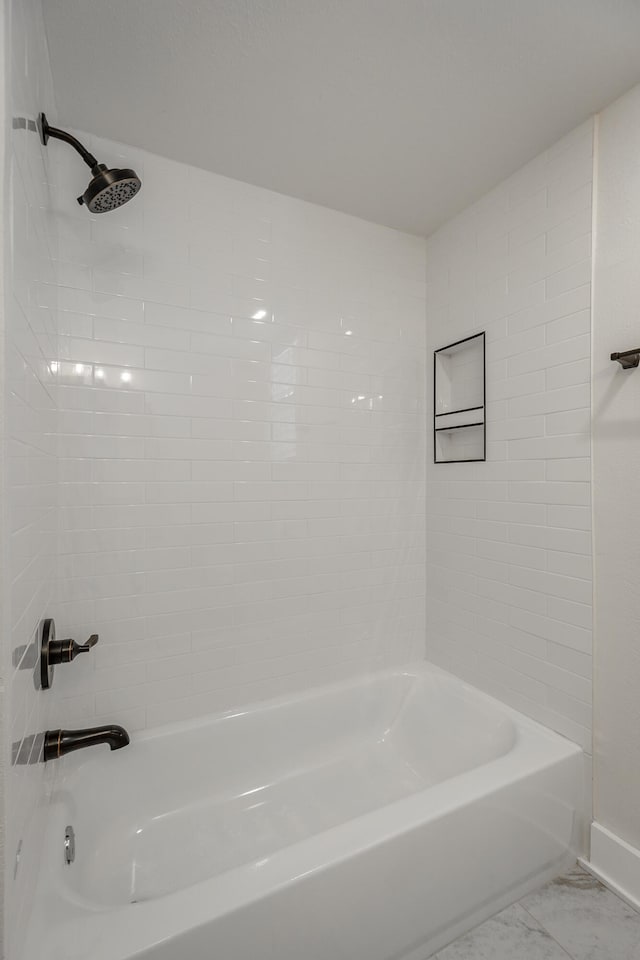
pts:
pixel 108 188
pixel 47 131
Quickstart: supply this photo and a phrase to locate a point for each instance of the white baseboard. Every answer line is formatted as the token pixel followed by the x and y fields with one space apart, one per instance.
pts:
pixel 616 863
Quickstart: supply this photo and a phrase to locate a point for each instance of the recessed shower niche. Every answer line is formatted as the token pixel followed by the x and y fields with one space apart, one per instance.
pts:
pixel 459 401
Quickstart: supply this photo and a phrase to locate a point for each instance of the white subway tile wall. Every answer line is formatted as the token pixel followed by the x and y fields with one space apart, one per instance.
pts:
pixel 241 391
pixel 508 541
pixel 216 431
pixel 29 470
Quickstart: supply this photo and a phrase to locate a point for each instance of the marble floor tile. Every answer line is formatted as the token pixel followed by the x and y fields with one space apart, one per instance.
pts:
pixel 510 935
pixel 589 921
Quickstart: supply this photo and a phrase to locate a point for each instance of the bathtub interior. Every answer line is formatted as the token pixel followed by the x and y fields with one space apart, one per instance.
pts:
pixel 184 805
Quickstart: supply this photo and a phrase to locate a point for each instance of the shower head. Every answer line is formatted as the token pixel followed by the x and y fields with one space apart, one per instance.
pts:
pixel 109 188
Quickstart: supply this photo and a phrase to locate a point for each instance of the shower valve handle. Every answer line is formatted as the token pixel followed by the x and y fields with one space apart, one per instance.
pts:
pixel 85 647
pixel 64 651
pixel 54 651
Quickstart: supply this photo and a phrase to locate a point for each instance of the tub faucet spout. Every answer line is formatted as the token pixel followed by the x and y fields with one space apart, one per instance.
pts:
pixel 59 742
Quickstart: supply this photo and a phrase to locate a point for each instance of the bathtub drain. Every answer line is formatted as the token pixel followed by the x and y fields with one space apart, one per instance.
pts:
pixel 69 844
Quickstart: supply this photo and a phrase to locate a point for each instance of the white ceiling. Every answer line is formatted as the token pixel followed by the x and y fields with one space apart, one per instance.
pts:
pixel 399 111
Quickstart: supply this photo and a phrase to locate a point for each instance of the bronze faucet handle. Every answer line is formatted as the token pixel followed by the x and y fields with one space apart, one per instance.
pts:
pixel 69 649
pixel 54 651
pixel 85 647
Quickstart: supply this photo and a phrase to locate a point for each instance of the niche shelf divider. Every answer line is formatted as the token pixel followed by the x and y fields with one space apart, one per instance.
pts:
pixel 460 401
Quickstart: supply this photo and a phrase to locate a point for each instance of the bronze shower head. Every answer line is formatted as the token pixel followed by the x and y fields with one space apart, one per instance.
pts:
pixel 109 188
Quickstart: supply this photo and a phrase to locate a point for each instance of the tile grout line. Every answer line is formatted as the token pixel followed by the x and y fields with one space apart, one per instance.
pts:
pixel 548 932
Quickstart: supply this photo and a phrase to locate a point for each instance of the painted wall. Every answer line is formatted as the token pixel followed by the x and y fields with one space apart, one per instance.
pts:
pixel 29 463
pixel 241 387
pixel 509 540
pixel 616 432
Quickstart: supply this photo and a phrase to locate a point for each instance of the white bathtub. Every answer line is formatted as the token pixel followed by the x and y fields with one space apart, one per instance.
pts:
pixel 370 820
